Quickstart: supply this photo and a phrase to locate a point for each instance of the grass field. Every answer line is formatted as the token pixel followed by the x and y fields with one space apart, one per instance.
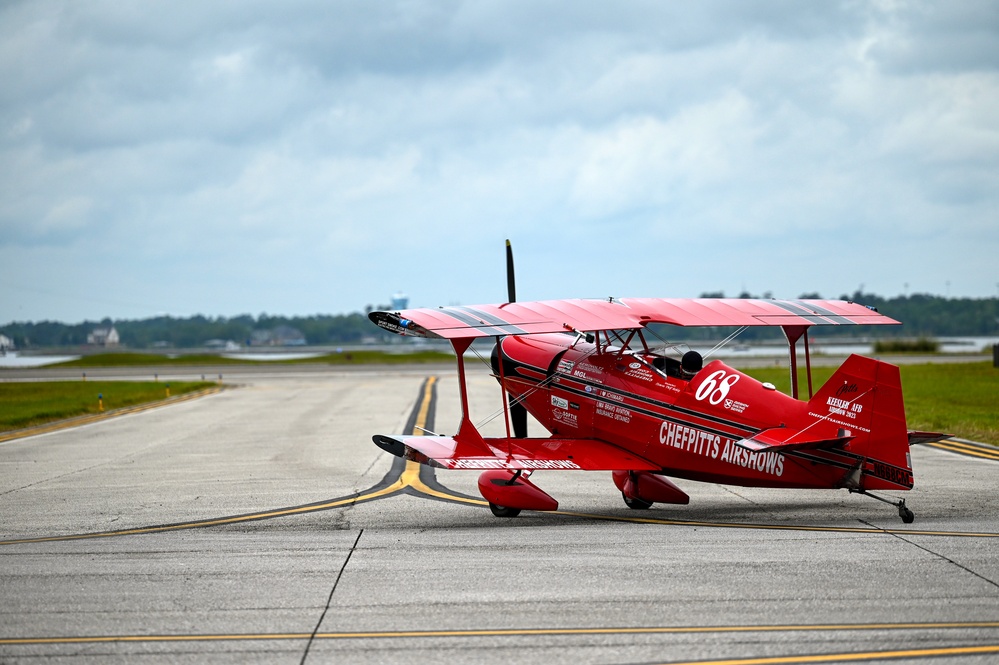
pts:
pixel 961 399
pixel 27 404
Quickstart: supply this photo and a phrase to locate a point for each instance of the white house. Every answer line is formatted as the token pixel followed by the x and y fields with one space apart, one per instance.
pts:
pixel 103 337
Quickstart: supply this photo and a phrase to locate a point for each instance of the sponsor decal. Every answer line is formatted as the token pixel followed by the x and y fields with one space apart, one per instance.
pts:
pixel 561 412
pixel 590 367
pixel 639 371
pixel 846 389
pixel 614 412
pixel 765 461
pixel 693 440
pixel 716 386
pixel 735 405
pixel 690 439
pixel 400 330
pixel 841 407
pixel 517 464
pixel 588 389
pixel 829 417
pixel 565 366
pixel 580 374
pixel 548 464
pixel 611 396
pixel 566 418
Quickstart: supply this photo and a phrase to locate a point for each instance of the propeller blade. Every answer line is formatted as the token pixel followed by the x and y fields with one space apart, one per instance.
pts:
pixel 518 413
pixel 511 288
pixel 518 419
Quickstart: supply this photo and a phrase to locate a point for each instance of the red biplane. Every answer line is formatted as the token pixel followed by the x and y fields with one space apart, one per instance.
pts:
pixel 613 401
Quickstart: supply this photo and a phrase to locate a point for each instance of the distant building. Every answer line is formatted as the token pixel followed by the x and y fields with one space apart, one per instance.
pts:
pixel 280 336
pixel 104 337
pixel 400 301
pixel 6 344
pixel 222 344
pixel 288 336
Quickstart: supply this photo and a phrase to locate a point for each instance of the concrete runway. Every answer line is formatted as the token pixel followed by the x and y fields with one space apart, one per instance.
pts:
pixel 261 524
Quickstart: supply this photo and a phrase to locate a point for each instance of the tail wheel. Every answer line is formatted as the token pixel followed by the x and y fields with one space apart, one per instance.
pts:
pixel 503 511
pixel 636 503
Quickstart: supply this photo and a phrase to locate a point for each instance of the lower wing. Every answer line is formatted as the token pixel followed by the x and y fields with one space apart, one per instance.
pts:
pixel 516 454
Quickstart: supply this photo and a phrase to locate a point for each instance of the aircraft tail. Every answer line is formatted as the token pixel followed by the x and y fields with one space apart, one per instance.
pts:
pixel 864 399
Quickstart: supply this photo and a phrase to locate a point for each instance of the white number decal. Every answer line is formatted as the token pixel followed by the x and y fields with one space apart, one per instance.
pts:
pixel 715 388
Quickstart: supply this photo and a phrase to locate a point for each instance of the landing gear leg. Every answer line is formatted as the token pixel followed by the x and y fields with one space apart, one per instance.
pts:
pixel 907 515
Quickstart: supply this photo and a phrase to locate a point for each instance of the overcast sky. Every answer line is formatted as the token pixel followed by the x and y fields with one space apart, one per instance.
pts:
pixel 295 158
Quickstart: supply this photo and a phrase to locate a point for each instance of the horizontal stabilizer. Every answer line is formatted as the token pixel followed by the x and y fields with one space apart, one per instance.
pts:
pixel 509 453
pixel 925 437
pixel 780 438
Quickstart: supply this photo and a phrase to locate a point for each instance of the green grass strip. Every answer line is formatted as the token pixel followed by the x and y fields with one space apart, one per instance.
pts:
pixel 961 399
pixel 209 360
pixel 36 403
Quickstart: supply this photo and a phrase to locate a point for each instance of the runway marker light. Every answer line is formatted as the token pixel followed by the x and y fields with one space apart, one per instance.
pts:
pixel 100 401
pixel 168 390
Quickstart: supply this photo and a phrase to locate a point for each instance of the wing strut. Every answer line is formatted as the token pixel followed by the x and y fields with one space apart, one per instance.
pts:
pixel 460 345
pixel 467 434
pixel 793 334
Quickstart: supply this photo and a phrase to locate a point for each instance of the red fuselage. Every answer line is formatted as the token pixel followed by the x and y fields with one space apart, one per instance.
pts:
pixel 689 425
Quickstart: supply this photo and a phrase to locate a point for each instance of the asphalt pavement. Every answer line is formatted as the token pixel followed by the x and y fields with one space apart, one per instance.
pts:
pixel 261 524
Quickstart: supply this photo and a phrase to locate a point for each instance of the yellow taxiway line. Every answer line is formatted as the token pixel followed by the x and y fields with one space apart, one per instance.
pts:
pixel 521 632
pixel 968 448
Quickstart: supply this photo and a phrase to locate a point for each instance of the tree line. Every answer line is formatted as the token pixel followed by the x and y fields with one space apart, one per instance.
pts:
pixel 922 316
pixel 196 331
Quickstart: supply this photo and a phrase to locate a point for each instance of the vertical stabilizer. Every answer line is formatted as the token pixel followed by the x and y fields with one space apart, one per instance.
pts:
pixel 864 398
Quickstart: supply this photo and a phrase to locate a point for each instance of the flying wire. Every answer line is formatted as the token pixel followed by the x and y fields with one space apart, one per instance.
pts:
pixel 726 341
pixel 518 400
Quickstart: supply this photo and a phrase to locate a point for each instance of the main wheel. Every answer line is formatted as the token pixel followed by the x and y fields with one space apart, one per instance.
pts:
pixel 636 504
pixel 503 511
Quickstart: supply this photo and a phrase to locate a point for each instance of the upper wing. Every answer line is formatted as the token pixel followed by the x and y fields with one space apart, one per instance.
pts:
pixel 503 453
pixel 548 316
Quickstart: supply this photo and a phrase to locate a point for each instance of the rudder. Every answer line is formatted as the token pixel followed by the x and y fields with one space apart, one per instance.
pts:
pixel 864 397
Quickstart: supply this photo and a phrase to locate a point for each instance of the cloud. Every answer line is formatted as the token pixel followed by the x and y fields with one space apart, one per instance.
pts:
pixel 268 148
